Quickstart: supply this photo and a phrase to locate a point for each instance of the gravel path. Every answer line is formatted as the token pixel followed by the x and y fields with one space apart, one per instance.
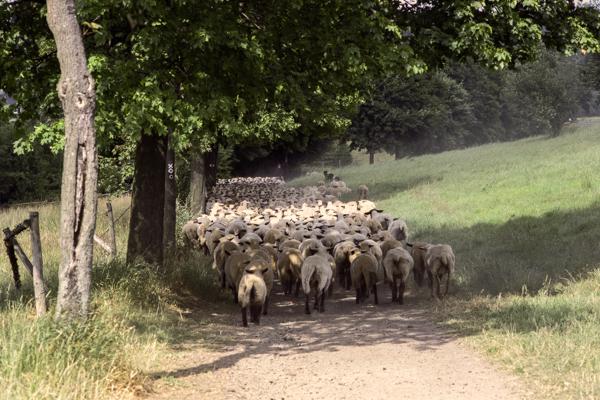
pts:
pixel 348 352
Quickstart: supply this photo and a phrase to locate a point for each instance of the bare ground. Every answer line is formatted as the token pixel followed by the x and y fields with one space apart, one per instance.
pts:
pixel 348 352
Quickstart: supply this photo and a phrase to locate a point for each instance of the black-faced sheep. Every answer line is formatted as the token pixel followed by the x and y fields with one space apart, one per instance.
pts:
pixel 397 264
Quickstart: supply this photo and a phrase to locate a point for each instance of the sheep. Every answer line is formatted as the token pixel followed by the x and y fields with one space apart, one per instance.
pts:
pixel 389 244
pixel 266 271
pixel 418 251
pixel 289 243
pixel 310 247
pixel 439 261
pixel 398 229
pixel 363 192
pixel 212 240
pixel 363 272
pixel 252 292
pixel 234 268
pixel 273 236
pixel 341 256
pixel 250 240
pixel 222 252
pixel 398 264
pixel 316 275
pixel 190 233
pixel 237 228
pixel 264 253
pixel 289 268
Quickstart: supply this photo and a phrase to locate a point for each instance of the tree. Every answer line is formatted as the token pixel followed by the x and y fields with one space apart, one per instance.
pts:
pixel 80 165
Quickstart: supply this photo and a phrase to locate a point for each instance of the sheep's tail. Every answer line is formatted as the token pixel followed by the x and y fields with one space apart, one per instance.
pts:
pixel 310 270
pixel 246 292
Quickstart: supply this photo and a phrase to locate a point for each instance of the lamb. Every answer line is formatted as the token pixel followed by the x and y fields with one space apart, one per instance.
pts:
pixel 363 271
pixel 363 192
pixel 398 264
pixel 316 275
pixel 289 267
pixel 234 269
pixel 439 261
pixel 252 292
pixel 398 229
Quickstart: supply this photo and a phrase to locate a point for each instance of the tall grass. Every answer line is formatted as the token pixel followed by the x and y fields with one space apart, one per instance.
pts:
pixel 524 220
pixel 135 318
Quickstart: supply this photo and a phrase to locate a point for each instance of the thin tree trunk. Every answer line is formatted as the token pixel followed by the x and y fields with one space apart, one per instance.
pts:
pixel 148 201
pixel 371 157
pixel 197 184
pixel 397 154
pixel 203 178
pixel 80 163
pixel 211 167
pixel 170 198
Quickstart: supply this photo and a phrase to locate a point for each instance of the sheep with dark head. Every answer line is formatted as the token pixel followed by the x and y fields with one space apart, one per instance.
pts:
pixel 363 271
pixel 439 262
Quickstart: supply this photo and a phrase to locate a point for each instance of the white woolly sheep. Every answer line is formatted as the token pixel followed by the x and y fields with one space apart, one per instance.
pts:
pixel 397 264
pixel 316 275
pixel 439 261
pixel 252 292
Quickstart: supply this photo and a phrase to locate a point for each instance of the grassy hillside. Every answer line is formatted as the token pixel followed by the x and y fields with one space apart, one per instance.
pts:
pixel 516 213
pixel 524 220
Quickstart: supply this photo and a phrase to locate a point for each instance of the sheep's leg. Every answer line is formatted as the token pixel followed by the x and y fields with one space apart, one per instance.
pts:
pixel 447 284
pixel 430 279
pixel 375 293
pixel 257 310
pixel 330 290
pixel 401 292
pixel 316 305
pixel 306 307
pixel 297 287
pixel 245 317
pixel 357 295
pixel 266 305
pixel 223 280
pixel 235 296
pixel 394 290
pixel 436 286
pixel 322 306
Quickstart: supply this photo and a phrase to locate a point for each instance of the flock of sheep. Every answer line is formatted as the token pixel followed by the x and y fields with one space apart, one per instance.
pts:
pixel 259 228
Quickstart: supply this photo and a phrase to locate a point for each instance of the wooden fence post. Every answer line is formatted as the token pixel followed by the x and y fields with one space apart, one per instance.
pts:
pixel 38 265
pixel 111 229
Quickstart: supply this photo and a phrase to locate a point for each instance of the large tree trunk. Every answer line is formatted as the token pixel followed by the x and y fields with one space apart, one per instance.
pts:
pixel 148 201
pixel 203 178
pixel 80 164
pixel 170 198
pixel 371 157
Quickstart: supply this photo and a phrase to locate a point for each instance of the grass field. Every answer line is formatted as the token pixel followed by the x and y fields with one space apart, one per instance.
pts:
pixel 524 220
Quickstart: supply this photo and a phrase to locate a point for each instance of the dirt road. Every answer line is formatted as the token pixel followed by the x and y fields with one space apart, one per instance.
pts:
pixel 348 352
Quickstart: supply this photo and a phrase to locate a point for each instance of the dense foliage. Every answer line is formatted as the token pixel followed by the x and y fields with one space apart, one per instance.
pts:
pixel 465 104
